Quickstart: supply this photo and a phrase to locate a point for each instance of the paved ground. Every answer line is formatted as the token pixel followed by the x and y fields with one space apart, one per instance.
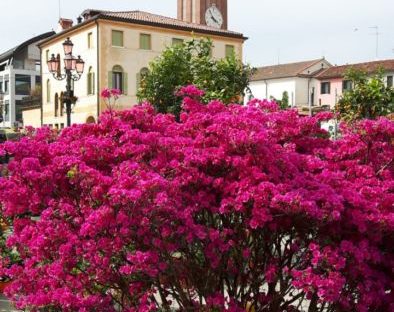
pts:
pixel 5 305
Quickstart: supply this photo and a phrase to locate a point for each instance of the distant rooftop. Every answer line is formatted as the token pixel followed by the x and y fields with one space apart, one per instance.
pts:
pixel 368 67
pixel 37 39
pixel 283 70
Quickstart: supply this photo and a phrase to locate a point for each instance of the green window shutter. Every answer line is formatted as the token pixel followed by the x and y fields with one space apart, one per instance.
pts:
pixel 93 84
pixel 229 50
pixel 176 41
pixel 88 85
pixel 138 81
pixel 145 42
pixel 124 83
pixel 117 38
pixel 110 79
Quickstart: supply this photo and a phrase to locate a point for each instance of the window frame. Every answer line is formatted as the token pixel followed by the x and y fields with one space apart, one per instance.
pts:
pixel 90 40
pixel 142 35
pixel 112 38
pixel 323 90
pixel 389 81
pixel 347 85
pixel 229 46
pixel 90 82
pixel 177 41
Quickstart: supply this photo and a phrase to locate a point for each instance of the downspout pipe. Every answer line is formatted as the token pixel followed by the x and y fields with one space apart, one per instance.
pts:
pixel 98 69
pixel 309 97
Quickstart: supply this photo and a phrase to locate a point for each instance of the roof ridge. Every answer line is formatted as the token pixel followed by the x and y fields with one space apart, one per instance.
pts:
pixel 292 63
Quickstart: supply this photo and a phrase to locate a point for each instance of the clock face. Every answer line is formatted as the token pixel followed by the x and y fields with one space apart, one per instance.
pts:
pixel 213 17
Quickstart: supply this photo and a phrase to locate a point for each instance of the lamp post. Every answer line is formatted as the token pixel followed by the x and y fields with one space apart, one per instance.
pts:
pixel 73 70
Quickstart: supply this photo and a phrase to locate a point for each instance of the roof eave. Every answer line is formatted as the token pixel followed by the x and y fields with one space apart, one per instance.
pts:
pixel 139 22
pixel 176 27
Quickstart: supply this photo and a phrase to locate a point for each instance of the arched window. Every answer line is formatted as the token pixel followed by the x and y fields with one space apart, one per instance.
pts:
pixel 117 79
pixel 61 100
pixel 91 81
pixel 56 104
pixel 90 120
pixel 48 91
pixel 140 76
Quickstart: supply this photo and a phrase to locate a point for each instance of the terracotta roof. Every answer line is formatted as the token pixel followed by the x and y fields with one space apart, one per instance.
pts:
pixel 369 67
pixel 159 20
pixel 282 70
pixel 145 18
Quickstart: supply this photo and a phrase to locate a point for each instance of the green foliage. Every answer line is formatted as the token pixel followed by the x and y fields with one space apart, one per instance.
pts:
pixel 192 63
pixel 369 97
pixel 284 103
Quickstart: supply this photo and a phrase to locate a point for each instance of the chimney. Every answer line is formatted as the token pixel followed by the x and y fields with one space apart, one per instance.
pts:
pixel 65 23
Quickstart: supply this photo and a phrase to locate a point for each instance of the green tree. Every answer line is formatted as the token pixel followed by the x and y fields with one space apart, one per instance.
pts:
pixel 284 103
pixel 192 63
pixel 369 97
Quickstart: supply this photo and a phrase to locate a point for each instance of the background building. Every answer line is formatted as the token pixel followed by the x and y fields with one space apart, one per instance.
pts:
pixel 294 78
pixel 118 47
pixel 19 76
pixel 331 83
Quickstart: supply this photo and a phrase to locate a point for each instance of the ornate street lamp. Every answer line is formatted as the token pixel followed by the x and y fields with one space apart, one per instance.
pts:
pixel 73 70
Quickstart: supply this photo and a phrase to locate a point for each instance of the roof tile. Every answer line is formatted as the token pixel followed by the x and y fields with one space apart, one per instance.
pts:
pixel 282 70
pixel 369 67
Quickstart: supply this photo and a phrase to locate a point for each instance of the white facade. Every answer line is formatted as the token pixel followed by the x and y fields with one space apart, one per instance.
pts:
pixel 300 85
pixel 19 76
pixel 9 77
pixel 265 89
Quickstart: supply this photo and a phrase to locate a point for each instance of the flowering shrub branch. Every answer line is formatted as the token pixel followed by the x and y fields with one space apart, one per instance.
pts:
pixel 231 208
pixel 110 97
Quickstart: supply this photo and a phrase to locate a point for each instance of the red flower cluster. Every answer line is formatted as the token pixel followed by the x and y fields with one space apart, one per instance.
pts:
pixel 231 207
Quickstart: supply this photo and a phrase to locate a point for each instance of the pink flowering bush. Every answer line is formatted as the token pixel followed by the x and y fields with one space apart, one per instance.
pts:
pixel 231 208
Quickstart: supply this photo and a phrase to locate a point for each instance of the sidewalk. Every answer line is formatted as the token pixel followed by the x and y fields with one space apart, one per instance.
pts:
pixel 5 305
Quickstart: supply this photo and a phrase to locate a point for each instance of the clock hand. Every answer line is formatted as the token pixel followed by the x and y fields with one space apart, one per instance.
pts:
pixel 213 17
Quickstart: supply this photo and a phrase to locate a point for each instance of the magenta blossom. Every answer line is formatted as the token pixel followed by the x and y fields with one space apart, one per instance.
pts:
pixel 233 208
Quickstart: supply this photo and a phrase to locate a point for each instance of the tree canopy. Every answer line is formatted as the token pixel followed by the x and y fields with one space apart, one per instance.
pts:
pixel 369 97
pixel 191 62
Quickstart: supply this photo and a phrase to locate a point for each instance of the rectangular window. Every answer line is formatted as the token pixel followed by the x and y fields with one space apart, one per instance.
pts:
pixel 62 126
pixel 7 111
pixel 347 85
pixel 117 38
pixel 90 40
pixel 18 111
pixel 145 42
pixel 90 83
pixel 117 80
pixel 22 84
pixel 6 86
pixel 229 50
pixel 177 41
pixel 1 86
pixel 325 88
pixel 389 81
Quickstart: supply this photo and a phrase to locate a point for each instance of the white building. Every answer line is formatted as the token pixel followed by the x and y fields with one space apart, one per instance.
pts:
pixel 294 78
pixel 19 75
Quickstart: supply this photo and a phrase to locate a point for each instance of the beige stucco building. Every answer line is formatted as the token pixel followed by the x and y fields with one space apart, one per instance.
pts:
pixel 117 47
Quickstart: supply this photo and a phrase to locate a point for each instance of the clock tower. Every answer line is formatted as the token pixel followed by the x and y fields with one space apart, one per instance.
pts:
pixel 206 12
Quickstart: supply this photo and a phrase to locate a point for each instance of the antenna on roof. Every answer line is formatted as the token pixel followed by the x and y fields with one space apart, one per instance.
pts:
pixel 60 11
pixel 377 34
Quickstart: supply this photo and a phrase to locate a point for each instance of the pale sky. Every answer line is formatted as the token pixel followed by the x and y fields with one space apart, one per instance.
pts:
pixel 278 30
